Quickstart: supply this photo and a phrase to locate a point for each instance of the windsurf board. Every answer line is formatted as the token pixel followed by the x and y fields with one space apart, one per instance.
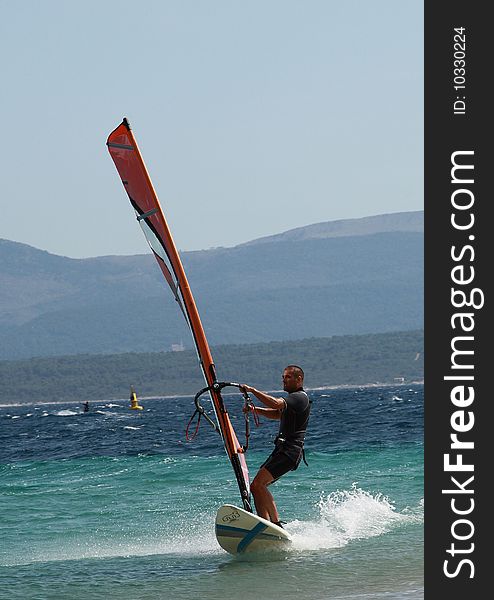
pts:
pixel 239 531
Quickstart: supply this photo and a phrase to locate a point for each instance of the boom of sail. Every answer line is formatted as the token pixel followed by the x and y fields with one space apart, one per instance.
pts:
pixel 128 160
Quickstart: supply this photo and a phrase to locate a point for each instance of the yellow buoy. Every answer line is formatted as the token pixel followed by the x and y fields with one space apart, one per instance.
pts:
pixel 134 402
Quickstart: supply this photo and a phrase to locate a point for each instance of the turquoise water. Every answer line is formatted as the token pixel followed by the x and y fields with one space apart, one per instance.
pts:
pixel 115 504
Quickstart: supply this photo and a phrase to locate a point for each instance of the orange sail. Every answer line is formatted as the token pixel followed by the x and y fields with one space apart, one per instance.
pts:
pixel 137 183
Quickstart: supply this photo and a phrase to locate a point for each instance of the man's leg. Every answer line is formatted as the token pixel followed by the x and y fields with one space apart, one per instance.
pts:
pixel 264 501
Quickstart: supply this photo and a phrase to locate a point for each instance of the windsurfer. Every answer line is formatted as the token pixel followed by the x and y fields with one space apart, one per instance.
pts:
pixel 293 413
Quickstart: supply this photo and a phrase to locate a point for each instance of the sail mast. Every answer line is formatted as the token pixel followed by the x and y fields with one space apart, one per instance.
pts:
pixel 130 165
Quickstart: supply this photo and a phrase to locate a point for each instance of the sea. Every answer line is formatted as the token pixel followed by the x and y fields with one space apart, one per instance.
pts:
pixel 115 503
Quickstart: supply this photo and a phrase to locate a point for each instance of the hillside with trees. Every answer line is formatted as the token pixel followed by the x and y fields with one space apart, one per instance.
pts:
pixel 342 360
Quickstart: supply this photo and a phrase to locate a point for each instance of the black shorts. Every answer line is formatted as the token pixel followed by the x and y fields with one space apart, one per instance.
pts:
pixel 278 464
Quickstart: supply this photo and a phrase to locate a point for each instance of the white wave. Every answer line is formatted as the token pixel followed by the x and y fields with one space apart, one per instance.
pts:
pixel 349 515
pixel 66 413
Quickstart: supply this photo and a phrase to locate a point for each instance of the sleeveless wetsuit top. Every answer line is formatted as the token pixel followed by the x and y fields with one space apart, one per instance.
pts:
pixel 293 425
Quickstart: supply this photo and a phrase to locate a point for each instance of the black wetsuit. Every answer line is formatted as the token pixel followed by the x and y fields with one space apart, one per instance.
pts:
pixel 290 439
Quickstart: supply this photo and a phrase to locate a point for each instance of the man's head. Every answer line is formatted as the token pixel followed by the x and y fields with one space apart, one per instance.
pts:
pixel 293 378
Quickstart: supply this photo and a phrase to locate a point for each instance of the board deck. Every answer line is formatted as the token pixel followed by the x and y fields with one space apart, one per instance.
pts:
pixel 239 531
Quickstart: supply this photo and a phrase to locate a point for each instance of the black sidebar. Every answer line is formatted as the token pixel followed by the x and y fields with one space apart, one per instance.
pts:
pixel 459 235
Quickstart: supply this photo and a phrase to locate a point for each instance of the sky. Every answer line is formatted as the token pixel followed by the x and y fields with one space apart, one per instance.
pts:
pixel 253 117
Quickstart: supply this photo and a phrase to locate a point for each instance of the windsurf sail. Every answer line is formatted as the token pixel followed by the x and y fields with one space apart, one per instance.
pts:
pixel 130 165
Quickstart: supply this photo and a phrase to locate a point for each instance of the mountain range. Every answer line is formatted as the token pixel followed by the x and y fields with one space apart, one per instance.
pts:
pixel 342 277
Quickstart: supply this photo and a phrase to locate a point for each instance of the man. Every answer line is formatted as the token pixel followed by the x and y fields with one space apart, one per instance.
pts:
pixel 293 413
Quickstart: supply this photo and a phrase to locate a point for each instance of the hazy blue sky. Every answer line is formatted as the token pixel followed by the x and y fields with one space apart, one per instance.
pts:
pixel 253 117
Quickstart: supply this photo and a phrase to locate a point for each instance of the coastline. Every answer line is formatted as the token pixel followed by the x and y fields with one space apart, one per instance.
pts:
pixel 342 386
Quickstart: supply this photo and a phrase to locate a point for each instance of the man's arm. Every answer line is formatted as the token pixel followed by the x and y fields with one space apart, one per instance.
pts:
pixel 275 406
pixel 269 413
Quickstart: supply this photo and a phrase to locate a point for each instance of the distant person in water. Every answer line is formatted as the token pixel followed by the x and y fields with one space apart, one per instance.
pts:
pixel 86 406
pixel 293 413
